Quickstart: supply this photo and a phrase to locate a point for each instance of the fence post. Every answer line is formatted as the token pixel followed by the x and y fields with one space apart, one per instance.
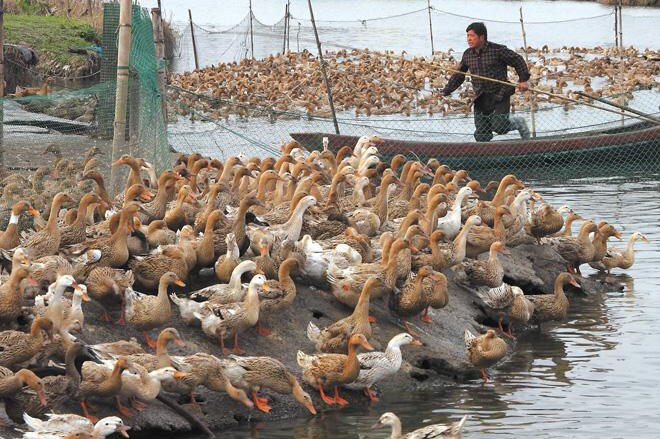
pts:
pixel 123 58
pixel 616 25
pixel 286 13
pixel 192 35
pixel 2 81
pixel 288 25
pixel 323 73
pixel 621 61
pixel 251 32
pixel 533 99
pixel 159 45
pixel 430 27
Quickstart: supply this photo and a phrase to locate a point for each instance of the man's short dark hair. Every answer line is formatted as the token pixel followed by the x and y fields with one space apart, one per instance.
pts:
pixel 478 28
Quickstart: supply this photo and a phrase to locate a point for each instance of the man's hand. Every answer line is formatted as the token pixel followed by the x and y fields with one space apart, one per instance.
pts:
pixel 523 86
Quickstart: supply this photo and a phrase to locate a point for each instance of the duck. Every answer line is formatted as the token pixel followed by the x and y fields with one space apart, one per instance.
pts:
pixel 11 295
pixel 18 348
pixel 12 383
pixel 545 221
pixel 617 258
pixel 204 248
pixel 412 299
pixel 146 312
pixel 574 250
pixel 47 241
pixel 508 302
pixel 570 219
pixel 225 264
pixel 69 423
pixel 265 263
pixel 487 273
pixel 107 286
pixel 10 238
pixel 430 431
pixel 150 269
pixel 76 232
pixel 55 311
pixel 150 362
pixel 552 307
pixel 176 218
pixel 485 350
pixel 144 386
pixel 450 224
pixel 599 241
pixel 255 373
pixel 487 210
pixel 276 295
pixel 378 366
pixel 226 293
pixel 230 319
pixel 98 381
pixel 335 338
pixel 159 235
pixel 482 236
pixel 333 369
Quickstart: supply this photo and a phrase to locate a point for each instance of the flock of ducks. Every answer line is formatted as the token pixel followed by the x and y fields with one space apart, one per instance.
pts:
pixel 347 222
pixel 376 83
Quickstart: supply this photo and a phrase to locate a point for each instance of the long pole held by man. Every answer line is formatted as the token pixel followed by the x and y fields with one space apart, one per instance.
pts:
pixel 492 100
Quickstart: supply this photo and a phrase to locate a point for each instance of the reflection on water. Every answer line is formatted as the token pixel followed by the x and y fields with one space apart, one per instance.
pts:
pixel 589 376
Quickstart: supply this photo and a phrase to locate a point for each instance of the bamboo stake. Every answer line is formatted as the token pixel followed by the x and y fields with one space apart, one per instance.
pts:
pixel 121 102
pixel 323 73
pixel 616 26
pixel 288 25
pixel 251 32
pixel 621 62
pixel 430 27
pixel 533 100
pixel 192 35
pixel 159 45
pixel 286 13
pixel 554 95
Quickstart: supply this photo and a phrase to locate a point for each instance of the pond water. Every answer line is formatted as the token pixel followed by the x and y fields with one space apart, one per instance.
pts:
pixel 591 376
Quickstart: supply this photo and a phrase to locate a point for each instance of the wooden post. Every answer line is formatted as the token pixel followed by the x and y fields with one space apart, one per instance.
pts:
pixel 288 25
pixel 192 35
pixel 159 45
pixel 2 81
pixel 616 25
pixel 621 60
pixel 533 99
pixel 286 13
pixel 430 27
pixel 323 73
pixel 620 24
pixel 251 32
pixel 123 58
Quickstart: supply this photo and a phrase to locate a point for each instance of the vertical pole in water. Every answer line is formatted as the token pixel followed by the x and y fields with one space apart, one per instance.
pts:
pixel 323 73
pixel 192 35
pixel 159 45
pixel 621 61
pixel 251 32
pixel 123 58
pixel 533 98
pixel 2 81
pixel 288 25
pixel 286 13
pixel 428 2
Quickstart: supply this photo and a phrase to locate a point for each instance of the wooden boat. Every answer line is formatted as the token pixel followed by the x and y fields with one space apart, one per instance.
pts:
pixel 615 151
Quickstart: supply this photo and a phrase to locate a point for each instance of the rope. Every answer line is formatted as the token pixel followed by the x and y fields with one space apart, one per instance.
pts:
pixel 363 21
pixel 44 75
pixel 440 11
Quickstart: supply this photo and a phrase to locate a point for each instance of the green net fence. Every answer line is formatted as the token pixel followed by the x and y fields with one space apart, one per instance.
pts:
pixel 77 113
pixel 393 90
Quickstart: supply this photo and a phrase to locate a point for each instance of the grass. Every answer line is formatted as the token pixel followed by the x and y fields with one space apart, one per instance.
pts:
pixel 50 36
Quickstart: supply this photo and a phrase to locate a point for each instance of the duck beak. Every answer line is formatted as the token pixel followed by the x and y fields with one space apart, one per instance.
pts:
pixel 117 163
pixel 417 342
pixel 575 283
pixel 617 235
pixel 376 426
pixel 25 260
pixel 367 346
pixel 178 374
pixel 32 211
pixel 146 196
pixel 179 342
pixel 179 282
pixel 311 408
pixel 123 430
pixel 413 248
pixel 42 397
pixel 644 238
pixel 85 297
pixel 31 281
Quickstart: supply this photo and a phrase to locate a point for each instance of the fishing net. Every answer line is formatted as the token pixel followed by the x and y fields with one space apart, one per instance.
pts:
pixel 78 112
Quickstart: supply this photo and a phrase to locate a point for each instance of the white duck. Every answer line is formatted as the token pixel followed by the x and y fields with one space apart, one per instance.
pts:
pixel 430 431
pixel 145 386
pixel 226 293
pixel 376 366
pixel 290 230
pixel 450 224
pixel 69 423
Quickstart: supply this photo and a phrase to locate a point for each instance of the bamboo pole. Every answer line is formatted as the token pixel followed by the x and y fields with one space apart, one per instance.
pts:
pixel 533 99
pixel 251 32
pixel 288 25
pixel 286 13
pixel 323 73
pixel 192 35
pixel 554 95
pixel 619 106
pixel 621 61
pixel 616 25
pixel 428 2
pixel 2 81
pixel 121 102
pixel 159 46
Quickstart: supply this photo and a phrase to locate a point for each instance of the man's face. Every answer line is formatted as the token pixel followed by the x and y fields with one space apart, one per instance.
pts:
pixel 475 41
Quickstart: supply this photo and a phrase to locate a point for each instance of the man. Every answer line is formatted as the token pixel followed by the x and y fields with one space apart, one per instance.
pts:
pixel 491 101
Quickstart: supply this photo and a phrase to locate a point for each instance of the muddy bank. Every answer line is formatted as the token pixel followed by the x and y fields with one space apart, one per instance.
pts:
pixel 442 358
